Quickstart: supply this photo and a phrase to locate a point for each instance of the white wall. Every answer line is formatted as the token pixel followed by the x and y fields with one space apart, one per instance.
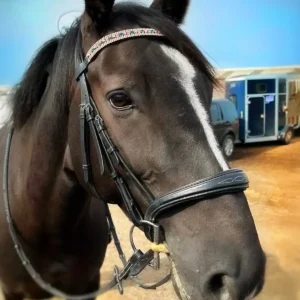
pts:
pixel 5 110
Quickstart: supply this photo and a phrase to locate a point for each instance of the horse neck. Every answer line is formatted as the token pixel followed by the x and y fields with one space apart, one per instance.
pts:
pixel 44 188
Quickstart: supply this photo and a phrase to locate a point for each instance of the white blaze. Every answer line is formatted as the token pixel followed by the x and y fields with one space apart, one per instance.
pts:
pixel 187 73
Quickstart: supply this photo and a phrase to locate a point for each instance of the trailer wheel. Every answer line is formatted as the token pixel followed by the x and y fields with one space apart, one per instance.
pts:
pixel 228 145
pixel 288 137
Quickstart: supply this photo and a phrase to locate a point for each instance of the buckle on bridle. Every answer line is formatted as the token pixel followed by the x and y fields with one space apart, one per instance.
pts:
pixel 89 112
pixel 156 247
pixel 99 123
pixel 118 280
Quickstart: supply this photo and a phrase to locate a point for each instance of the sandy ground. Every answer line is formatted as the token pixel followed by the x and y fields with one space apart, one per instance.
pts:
pixel 274 198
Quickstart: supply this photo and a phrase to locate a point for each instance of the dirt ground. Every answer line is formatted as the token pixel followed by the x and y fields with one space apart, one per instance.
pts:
pixel 274 198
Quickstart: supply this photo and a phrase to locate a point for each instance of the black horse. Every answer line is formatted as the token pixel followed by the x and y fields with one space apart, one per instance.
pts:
pixel 127 124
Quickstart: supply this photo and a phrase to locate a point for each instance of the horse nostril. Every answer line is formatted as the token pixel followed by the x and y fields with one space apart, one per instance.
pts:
pixel 216 283
pixel 221 286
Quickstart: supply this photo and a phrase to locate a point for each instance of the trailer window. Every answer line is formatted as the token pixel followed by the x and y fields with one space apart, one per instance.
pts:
pixel 261 86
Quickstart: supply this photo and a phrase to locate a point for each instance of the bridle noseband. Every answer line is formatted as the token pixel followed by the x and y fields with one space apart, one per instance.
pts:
pixel 110 160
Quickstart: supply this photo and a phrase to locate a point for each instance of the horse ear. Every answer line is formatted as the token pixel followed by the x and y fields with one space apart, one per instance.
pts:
pixel 173 9
pixel 98 11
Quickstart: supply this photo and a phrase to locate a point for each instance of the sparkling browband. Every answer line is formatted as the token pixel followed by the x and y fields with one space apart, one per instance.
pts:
pixel 117 36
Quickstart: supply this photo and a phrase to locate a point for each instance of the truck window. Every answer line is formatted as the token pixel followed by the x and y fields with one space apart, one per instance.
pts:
pixel 214 112
pixel 229 111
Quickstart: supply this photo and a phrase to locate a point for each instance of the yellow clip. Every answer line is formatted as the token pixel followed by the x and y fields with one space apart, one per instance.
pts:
pixel 160 248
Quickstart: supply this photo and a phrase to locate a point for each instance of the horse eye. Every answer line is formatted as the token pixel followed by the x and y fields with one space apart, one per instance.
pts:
pixel 120 101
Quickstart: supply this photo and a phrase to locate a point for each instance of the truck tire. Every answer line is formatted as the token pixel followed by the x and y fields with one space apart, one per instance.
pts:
pixel 228 145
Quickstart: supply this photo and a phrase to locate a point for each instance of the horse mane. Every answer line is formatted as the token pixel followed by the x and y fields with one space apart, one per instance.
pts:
pixel 55 54
pixel 59 52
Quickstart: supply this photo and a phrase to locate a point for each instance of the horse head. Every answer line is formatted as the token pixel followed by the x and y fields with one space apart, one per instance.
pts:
pixel 144 103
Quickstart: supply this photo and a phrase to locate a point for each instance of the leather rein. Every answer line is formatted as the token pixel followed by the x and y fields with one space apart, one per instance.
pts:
pixel 92 127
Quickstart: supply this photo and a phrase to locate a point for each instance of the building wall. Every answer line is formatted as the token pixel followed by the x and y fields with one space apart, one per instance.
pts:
pixel 5 111
pixel 220 92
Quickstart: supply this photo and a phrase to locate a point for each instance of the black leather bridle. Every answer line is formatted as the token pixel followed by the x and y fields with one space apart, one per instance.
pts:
pixel 110 160
pixel 91 123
